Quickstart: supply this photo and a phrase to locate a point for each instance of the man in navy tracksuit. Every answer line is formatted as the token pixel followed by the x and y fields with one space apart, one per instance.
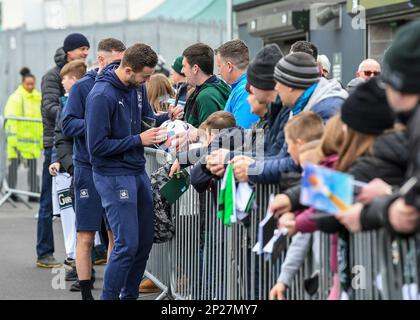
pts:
pixel 114 110
pixel 88 207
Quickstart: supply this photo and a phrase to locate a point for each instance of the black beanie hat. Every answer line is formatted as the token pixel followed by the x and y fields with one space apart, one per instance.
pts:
pixel 261 68
pixel 297 70
pixel 74 41
pixel 366 110
pixel 402 60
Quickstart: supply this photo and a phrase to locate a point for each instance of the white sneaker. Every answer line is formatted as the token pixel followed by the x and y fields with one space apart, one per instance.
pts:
pixel 36 215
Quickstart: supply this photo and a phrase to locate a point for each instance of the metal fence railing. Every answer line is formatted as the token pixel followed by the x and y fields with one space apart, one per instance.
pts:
pixel 12 173
pixel 207 260
pixel 158 267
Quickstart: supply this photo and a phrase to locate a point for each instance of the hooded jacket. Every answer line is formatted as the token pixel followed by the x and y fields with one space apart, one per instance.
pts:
pixel 326 101
pixel 375 214
pixel 327 98
pixel 52 90
pixel 63 145
pixel 206 99
pixel 413 133
pixel 389 158
pixel 74 118
pixel 114 113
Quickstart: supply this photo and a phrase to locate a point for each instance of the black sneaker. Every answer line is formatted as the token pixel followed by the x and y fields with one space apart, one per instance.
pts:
pixel 75 287
pixel 15 198
pixel 33 199
pixel 71 275
pixel 100 257
pixel 71 263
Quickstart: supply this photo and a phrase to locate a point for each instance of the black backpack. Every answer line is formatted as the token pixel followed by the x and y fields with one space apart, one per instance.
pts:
pixel 164 228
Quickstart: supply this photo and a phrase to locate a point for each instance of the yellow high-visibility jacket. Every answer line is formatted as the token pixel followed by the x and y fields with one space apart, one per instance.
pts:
pixel 24 137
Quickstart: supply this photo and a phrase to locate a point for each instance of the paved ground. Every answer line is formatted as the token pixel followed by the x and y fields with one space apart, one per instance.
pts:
pixel 19 276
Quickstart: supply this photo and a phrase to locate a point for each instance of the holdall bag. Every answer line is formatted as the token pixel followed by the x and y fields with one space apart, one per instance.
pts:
pixel 64 202
pixel 164 228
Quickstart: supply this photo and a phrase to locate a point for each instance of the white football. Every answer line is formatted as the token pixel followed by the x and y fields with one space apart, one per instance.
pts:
pixel 173 128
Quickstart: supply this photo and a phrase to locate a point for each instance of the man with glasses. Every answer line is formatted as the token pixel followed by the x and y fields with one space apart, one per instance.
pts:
pixel 369 68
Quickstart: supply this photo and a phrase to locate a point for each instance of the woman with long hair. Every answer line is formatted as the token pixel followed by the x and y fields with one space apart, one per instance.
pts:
pixel 159 91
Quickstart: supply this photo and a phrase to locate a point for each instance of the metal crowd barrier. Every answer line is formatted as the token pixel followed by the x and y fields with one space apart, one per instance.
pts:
pixel 158 268
pixel 401 258
pixel 208 260
pixel 10 170
pixel 364 253
pixel 187 270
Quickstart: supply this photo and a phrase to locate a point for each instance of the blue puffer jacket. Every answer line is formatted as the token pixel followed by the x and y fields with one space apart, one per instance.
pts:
pixel 325 100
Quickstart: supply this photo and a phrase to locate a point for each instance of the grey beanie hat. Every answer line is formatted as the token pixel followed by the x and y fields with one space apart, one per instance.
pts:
pixel 297 70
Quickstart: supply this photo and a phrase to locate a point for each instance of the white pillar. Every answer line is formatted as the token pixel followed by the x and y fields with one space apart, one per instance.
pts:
pixel 229 20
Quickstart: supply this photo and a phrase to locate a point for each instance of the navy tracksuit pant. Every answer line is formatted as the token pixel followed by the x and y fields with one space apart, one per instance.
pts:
pixel 129 208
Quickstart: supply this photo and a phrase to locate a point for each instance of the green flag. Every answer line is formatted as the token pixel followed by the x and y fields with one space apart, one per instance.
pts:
pixel 226 203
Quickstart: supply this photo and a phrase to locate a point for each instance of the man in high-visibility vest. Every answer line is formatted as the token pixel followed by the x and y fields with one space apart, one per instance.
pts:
pixel 24 138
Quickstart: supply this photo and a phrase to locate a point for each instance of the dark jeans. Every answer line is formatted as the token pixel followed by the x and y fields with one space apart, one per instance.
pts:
pixel 45 237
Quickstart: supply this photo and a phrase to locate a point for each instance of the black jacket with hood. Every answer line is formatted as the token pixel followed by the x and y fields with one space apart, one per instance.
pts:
pixel 375 215
pixel 388 160
pixel 63 145
pixel 52 90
